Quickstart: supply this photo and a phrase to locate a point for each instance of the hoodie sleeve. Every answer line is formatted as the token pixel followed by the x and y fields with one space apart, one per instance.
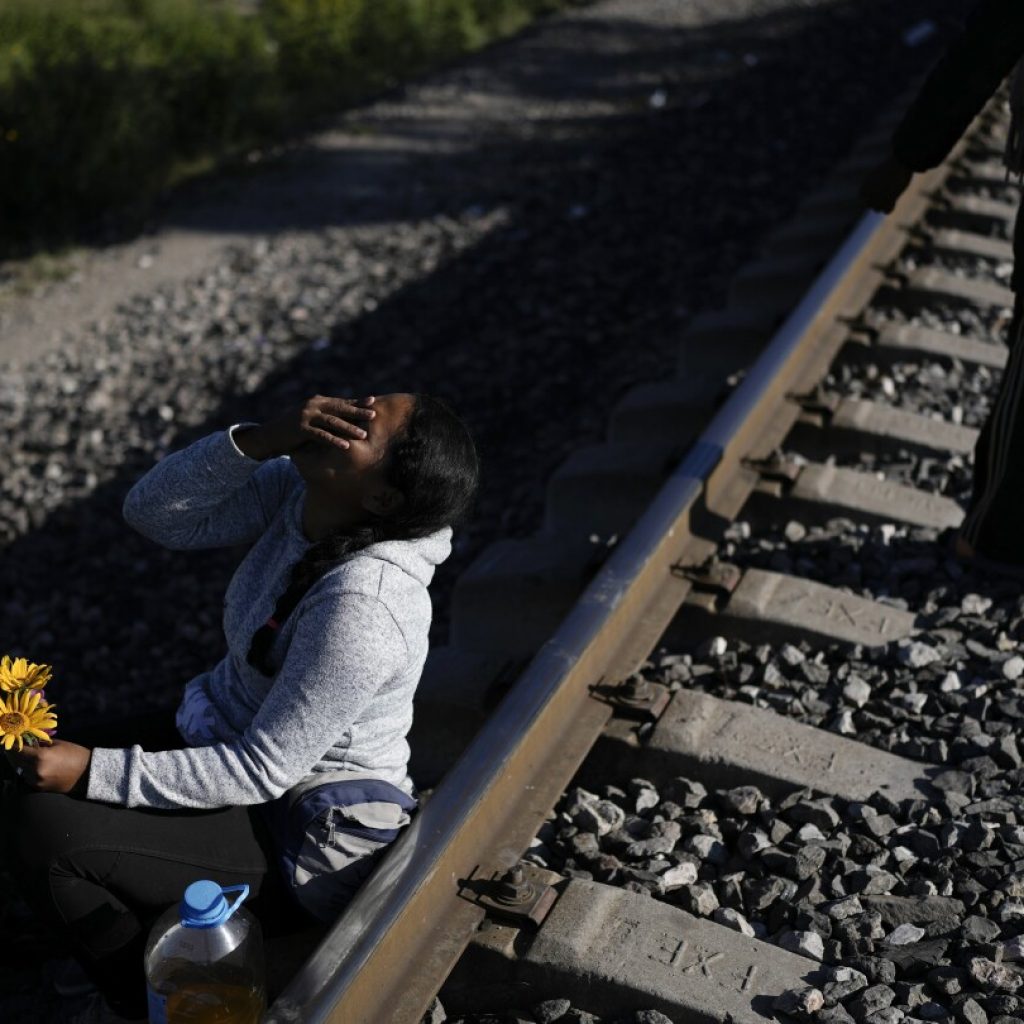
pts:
pixel 964 79
pixel 208 495
pixel 344 649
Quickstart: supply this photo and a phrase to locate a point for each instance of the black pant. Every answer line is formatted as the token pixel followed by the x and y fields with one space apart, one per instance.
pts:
pixel 991 524
pixel 101 874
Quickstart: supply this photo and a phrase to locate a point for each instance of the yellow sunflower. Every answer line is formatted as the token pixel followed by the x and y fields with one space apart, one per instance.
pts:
pixel 22 674
pixel 25 716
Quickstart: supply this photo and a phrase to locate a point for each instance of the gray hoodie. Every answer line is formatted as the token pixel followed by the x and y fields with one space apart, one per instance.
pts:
pixel 348 658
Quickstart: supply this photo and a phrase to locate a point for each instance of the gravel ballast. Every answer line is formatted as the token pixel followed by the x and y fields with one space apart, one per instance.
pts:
pixel 550 1011
pixel 529 277
pixel 903 904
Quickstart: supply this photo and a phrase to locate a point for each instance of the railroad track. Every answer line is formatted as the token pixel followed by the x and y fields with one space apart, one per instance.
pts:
pixel 682 535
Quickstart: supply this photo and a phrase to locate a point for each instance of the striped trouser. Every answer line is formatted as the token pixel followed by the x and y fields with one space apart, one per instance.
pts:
pixel 992 524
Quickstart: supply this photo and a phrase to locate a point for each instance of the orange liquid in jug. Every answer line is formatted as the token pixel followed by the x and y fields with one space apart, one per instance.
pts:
pixel 210 1003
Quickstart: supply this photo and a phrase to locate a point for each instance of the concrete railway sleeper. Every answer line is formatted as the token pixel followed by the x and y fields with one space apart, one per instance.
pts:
pixel 815 774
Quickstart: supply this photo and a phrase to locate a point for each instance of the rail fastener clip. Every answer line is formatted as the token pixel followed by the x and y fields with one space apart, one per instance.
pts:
pixel 712 577
pixel 777 468
pixel 818 405
pixel 636 698
pixel 516 896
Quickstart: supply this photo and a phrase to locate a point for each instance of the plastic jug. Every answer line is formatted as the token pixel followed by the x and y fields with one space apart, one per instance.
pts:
pixel 204 960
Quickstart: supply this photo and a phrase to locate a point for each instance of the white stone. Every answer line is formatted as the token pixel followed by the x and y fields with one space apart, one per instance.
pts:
pixel 707 848
pixel 795 532
pixel 802 1002
pixel 1009 910
pixel 975 604
pixel 577 798
pixel 740 530
pixel 733 919
pixel 717 646
pixel 849 906
pixel 805 943
pixel 903 856
pixel 856 691
pixel 646 798
pixel 791 655
pixel 757 842
pixel 843 724
pixel 916 654
pixel 810 833
pixel 905 934
pixel 915 701
pixel 950 683
pixel 592 814
pixel 1013 668
pixel 682 874
pixel 847 974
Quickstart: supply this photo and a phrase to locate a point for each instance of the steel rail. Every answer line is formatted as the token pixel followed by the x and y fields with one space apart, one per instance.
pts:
pixel 391 949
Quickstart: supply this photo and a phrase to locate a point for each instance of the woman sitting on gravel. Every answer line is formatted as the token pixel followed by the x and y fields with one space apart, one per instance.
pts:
pixel 349 506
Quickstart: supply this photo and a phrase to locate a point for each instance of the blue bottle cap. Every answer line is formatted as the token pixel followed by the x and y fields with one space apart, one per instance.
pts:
pixel 204 905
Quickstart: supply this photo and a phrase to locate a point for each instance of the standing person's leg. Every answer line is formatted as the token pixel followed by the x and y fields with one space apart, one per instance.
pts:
pixel 989 527
pixel 102 874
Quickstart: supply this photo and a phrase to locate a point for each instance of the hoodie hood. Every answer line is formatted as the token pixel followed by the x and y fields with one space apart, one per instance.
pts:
pixel 417 557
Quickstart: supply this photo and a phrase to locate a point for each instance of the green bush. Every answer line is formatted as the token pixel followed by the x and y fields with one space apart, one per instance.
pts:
pixel 316 58
pixel 99 100
pixel 103 101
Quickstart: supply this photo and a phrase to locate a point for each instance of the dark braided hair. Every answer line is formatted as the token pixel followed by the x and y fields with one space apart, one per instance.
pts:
pixel 433 462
